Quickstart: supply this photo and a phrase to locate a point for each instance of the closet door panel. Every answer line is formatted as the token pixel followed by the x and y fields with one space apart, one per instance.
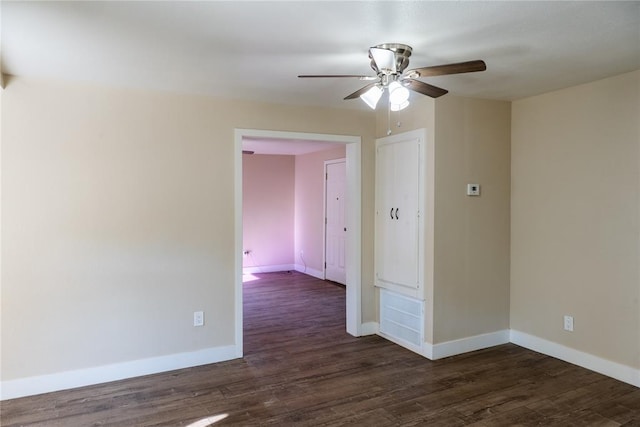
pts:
pixel 399 233
pixel 407 157
pixel 385 176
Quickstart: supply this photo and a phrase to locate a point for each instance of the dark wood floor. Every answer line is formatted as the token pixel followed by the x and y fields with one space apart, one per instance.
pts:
pixel 301 368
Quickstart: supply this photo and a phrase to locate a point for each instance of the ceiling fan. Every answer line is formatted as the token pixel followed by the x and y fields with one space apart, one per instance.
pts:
pixel 389 61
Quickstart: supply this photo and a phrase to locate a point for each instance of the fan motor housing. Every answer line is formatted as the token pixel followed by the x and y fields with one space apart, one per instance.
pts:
pixel 402 53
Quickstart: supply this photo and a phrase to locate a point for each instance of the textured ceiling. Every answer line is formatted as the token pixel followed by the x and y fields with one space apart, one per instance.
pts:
pixel 255 50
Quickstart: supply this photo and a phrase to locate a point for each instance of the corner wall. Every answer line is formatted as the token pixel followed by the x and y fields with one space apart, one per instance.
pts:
pixel 467 305
pixel 575 247
pixel 471 266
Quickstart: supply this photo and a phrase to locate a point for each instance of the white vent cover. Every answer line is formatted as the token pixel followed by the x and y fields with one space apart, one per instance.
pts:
pixel 402 319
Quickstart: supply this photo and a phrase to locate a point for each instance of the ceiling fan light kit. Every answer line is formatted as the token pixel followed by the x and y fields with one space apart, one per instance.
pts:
pixel 389 61
pixel 372 96
pixel 398 96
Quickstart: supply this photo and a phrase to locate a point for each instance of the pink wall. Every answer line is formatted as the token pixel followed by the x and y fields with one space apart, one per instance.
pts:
pixel 268 209
pixel 283 209
pixel 309 205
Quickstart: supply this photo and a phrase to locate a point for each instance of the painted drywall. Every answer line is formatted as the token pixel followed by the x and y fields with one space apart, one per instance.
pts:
pixel 472 234
pixel 309 209
pixel 118 220
pixel 419 114
pixel 575 203
pixel 268 201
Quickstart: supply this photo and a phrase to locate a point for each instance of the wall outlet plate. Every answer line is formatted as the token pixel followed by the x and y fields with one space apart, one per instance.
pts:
pixel 198 318
pixel 473 189
pixel 568 323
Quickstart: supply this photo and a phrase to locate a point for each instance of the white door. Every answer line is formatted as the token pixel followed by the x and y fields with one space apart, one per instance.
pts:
pixel 335 224
pixel 386 238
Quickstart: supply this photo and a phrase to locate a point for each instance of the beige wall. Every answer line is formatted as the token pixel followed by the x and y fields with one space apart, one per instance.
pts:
pixel 268 201
pixel 118 220
pixel 471 273
pixel 575 217
pixel 309 209
pixel 420 114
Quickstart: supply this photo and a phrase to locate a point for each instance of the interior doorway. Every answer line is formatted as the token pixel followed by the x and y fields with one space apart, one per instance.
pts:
pixel 352 219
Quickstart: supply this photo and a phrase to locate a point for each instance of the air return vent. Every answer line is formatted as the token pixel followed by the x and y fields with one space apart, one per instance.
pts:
pixel 402 320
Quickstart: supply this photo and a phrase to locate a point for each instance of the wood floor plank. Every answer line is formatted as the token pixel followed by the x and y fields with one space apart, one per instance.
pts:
pixel 301 368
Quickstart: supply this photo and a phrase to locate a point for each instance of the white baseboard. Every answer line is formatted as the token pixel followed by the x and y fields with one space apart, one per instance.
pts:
pixel 12 389
pixel 268 268
pixel 369 328
pixel 318 274
pixel 30 386
pixel 403 343
pixel 465 345
pixel 606 367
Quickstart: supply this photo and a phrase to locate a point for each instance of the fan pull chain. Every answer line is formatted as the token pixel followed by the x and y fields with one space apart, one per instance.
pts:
pixel 388 118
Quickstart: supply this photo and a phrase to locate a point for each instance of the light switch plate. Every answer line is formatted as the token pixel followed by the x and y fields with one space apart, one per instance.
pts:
pixel 473 189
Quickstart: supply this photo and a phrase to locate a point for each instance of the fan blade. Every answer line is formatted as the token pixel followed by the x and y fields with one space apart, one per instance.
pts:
pixel 424 88
pixel 360 91
pixel 385 59
pixel 316 76
pixel 441 70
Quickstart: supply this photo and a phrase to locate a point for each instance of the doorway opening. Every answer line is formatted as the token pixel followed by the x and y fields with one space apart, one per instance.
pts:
pixel 352 215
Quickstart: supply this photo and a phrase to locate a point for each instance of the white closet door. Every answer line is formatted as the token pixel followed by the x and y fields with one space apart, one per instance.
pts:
pixel 398 203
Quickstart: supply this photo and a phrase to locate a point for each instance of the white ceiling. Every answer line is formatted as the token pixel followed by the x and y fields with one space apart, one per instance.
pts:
pixel 255 50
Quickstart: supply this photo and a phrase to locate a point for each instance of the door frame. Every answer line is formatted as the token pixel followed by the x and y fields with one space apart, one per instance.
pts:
pixel 353 148
pixel 324 209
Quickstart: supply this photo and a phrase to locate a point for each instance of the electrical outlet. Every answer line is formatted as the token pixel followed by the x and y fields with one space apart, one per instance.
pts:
pixel 568 323
pixel 198 318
